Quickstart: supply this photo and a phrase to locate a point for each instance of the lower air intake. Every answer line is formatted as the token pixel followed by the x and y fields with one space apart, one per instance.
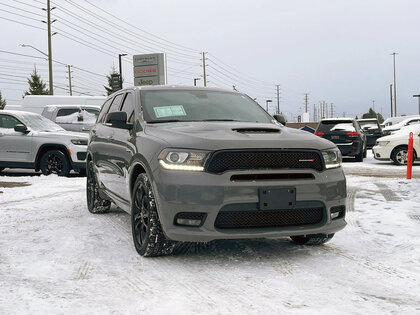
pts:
pixel 268 219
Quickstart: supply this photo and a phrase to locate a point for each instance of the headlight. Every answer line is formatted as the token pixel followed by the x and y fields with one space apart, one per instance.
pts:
pixel 182 160
pixel 79 141
pixel 382 143
pixel 332 158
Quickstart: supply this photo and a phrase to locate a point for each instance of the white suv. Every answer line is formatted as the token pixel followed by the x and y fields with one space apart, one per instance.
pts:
pixel 28 140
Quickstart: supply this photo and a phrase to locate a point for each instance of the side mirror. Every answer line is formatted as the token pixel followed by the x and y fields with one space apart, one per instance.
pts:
pixel 280 118
pixel 21 128
pixel 118 120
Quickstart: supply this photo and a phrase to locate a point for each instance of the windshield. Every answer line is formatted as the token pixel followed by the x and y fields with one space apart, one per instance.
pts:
pixel 39 123
pixel 199 105
pixel 336 125
pixel 368 124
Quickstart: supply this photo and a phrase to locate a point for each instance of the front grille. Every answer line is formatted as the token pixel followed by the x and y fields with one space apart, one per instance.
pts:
pixel 268 219
pixel 223 161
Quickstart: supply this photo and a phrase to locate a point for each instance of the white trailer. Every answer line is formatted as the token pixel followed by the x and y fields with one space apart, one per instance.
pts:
pixel 36 103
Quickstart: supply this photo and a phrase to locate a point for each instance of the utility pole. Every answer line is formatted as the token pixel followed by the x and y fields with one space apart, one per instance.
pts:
pixel 418 96
pixel 119 63
pixel 69 71
pixel 306 102
pixel 332 110
pixel 50 69
pixel 326 109
pixel 278 99
pixel 315 118
pixel 390 93
pixel 395 86
pixel 373 105
pixel 204 69
pixel 266 104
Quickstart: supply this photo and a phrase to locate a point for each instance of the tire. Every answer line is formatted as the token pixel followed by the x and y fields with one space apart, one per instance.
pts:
pixel 54 162
pixel 1 169
pixel 399 155
pixel 365 153
pixel 311 240
pixel 359 157
pixel 95 203
pixel 148 236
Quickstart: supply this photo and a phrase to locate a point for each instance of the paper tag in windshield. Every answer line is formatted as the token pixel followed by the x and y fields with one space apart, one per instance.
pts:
pixel 169 111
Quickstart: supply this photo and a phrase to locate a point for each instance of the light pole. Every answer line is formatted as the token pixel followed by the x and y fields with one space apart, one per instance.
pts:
pixel 50 72
pixel 119 62
pixel 418 96
pixel 395 87
pixel 195 81
pixel 266 104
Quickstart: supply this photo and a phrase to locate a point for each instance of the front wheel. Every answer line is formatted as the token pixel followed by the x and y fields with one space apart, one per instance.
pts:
pixel 95 203
pixel 399 155
pixel 149 239
pixel 54 162
pixel 311 240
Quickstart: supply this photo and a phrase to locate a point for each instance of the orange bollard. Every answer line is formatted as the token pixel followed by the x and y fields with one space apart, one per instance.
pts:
pixel 410 156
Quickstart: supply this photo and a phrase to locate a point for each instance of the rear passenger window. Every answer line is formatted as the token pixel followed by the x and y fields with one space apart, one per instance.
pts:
pixel 104 110
pixel 128 107
pixel 67 111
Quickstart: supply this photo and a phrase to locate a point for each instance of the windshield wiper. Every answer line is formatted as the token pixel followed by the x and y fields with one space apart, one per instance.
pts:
pixel 165 121
pixel 219 119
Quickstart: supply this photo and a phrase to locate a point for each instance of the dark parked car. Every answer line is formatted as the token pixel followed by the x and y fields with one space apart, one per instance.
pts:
pixel 372 129
pixel 346 134
pixel 198 164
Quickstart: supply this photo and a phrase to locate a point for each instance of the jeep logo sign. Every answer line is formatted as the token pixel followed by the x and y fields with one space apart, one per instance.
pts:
pixel 149 69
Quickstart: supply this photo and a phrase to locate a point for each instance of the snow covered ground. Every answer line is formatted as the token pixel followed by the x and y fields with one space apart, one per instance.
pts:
pixel 56 257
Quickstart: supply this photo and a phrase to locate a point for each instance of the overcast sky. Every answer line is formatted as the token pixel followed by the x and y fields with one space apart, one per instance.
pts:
pixel 337 51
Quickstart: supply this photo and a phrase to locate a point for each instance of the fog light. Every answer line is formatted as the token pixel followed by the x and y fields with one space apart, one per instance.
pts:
pixel 335 215
pixel 337 212
pixel 188 222
pixel 189 219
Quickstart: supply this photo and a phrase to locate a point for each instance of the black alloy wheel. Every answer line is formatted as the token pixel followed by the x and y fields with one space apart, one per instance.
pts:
pixel 54 162
pixel 95 203
pixel 148 237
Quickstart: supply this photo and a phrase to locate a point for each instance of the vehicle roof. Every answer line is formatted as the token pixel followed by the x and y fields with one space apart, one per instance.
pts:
pixel 337 118
pixel 67 96
pixel 408 119
pixel 179 87
pixel 73 105
pixel 368 119
pixel 17 112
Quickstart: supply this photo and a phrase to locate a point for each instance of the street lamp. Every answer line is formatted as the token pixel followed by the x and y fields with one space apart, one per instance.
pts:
pixel 119 61
pixel 266 104
pixel 50 71
pixel 395 87
pixel 418 96
pixel 195 81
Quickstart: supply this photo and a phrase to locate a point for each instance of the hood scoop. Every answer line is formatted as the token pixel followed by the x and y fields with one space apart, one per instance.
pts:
pixel 256 130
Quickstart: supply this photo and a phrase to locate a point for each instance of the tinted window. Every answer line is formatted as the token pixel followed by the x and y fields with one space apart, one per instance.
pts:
pixel 9 122
pixel 66 111
pixel 369 124
pixel 200 105
pixel 414 122
pixel 104 109
pixel 116 104
pixel 336 126
pixel 128 107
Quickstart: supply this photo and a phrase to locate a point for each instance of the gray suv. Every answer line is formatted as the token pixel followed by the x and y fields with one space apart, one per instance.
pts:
pixel 199 164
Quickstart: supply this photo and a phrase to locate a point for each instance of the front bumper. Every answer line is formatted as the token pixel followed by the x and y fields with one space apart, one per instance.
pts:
pixel 350 149
pixel 200 192
pixel 77 156
pixel 381 153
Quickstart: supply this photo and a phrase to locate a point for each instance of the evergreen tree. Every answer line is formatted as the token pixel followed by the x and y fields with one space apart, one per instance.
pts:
pixel 109 89
pixel 36 85
pixel 373 114
pixel 2 102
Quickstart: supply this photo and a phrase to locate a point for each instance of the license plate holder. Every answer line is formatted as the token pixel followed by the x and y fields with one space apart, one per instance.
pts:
pixel 273 198
pixel 335 137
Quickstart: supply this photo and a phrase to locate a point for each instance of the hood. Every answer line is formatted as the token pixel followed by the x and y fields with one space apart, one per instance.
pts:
pixel 214 136
pixel 63 134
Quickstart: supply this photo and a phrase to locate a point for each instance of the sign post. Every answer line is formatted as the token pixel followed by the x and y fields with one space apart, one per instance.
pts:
pixel 149 69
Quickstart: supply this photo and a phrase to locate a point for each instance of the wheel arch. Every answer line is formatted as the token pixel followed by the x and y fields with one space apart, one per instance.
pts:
pixel 51 146
pixel 403 146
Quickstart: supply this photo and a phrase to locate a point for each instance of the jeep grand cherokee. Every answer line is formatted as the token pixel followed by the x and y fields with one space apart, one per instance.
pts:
pixel 199 164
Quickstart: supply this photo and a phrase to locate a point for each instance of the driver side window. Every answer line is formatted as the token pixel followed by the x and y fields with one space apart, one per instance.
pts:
pixel 8 122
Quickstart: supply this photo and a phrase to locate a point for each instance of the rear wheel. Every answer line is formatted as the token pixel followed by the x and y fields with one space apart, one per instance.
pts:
pixel 400 154
pixel 54 162
pixel 95 203
pixel 359 157
pixel 311 240
pixel 148 236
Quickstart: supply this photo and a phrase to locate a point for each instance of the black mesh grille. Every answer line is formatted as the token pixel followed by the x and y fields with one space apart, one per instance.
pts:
pixel 246 160
pixel 268 219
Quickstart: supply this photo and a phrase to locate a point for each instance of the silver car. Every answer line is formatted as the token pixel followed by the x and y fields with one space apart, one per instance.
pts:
pixel 29 140
pixel 199 164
